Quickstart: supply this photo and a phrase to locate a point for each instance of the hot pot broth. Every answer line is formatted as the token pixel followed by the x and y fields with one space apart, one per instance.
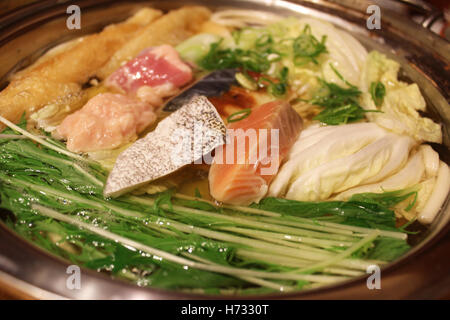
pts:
pixel 170 232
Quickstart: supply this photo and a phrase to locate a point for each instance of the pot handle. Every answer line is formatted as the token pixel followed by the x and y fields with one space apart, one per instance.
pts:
pixel 432 14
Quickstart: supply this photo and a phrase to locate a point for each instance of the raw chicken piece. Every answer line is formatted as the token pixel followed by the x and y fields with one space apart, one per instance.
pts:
pixel 106 122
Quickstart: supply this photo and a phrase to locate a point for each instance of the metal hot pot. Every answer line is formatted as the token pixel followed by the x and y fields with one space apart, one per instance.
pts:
pixel 27 271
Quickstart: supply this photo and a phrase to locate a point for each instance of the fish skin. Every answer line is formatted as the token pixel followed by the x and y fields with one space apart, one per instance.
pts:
pixel 158 155
pixel 212 85
pixel 244 182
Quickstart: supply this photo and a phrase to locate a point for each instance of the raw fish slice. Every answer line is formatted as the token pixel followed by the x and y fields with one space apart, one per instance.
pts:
pixel 242 175
pixel 172 28
pixel 161 152
pixel 154 74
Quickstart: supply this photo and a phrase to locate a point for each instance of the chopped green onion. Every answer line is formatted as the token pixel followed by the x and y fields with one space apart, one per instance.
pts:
pixel 307 48
pixel 245 81
pixel 218 58
pixel 377 91
pixel 342 77
pixel 265 55
pixel 264 40
pixel 240 115
pixel 340 104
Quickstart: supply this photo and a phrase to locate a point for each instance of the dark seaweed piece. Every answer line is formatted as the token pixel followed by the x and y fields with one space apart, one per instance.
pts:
pixel 214 84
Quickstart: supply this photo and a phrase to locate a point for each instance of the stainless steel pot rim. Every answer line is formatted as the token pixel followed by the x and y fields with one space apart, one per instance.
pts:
pixel 303 7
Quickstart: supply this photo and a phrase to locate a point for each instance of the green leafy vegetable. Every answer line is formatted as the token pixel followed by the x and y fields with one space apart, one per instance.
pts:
pixel 332 95
pixel 197 193
pixel 229 248
pixel 259 51
pixel 377 91
pixel 367 209
pixel 384 249
pixel 340 104
pixel 307 48
pixel 386 199
pixel 257 61
pixel 279 87
pixel 341 115
pixel 196 47
pixel 218 58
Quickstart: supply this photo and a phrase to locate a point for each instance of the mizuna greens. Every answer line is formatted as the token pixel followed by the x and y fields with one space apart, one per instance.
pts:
pixel 175 241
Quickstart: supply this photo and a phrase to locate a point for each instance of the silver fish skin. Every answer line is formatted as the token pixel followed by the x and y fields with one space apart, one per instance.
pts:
pixel 182 138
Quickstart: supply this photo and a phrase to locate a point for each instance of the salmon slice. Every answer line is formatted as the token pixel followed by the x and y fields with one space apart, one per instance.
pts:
pixel 243 168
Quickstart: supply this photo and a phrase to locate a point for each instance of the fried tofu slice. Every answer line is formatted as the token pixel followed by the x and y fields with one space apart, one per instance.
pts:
pixel 170 29
pixel 126 29
pixel 61 75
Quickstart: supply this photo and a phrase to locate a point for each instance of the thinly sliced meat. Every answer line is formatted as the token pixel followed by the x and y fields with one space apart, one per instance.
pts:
pixel 106 122
pixel 243 168
pixel 172 28
pixel 154 74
